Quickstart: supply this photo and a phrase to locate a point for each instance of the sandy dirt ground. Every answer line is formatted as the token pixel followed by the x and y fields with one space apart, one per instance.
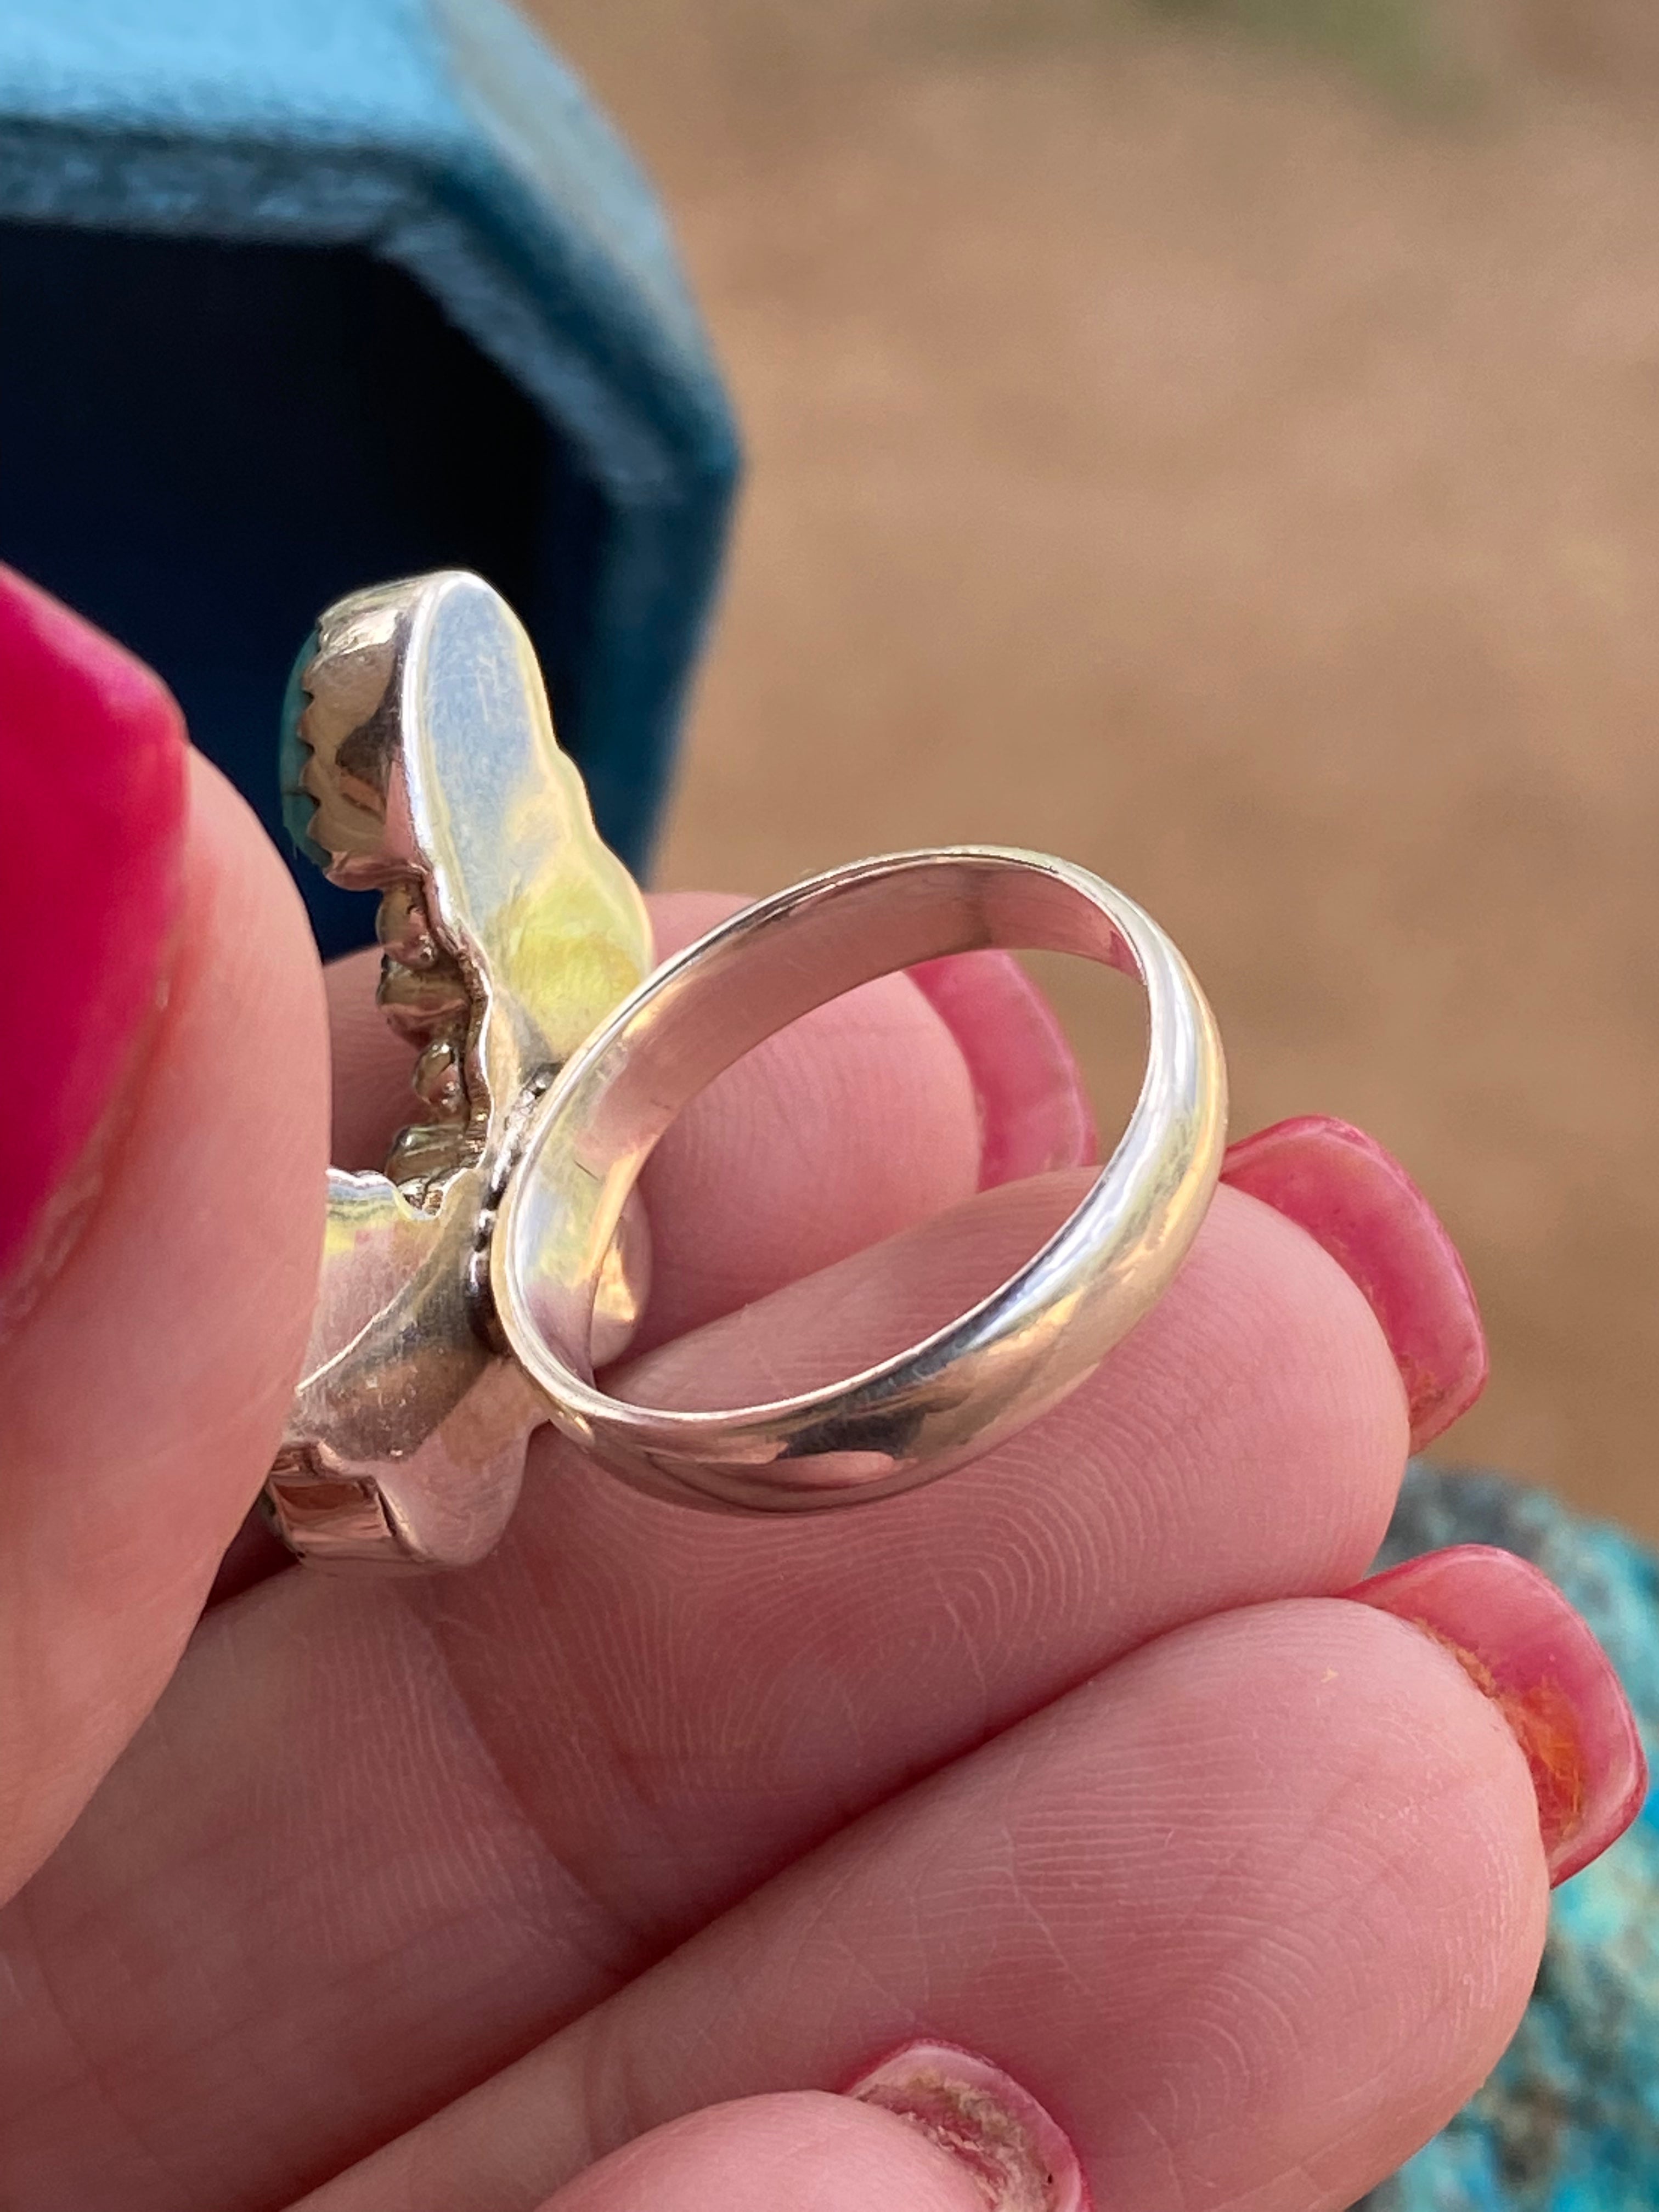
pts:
pixel 1175 453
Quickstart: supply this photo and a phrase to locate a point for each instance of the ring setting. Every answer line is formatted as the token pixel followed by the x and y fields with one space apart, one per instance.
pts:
pixel 472 1291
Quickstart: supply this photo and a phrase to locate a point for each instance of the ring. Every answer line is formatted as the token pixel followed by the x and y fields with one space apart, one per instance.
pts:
pixel 1014 1354
pixel 468 1290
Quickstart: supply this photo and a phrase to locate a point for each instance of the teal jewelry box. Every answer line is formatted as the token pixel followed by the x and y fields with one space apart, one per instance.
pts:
pixel 298 294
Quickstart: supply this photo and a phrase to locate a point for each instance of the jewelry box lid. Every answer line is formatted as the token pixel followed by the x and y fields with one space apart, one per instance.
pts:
pixel 299 294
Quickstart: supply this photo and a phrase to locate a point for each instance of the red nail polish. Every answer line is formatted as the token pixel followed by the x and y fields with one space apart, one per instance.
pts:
pixel 1034 1109
pixel 1015 2150
pixel 92 768
pixel 1522 1646
pixel 1358 1202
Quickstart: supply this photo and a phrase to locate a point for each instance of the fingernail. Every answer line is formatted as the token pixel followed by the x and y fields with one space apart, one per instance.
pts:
pixel 1358 1202
pixel 1522 1646
pixel 1016 2151
pixel 1034 1111
pixel 92 816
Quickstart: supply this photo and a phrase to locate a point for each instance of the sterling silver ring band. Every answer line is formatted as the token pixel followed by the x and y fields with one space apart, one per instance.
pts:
pixel 1016 1353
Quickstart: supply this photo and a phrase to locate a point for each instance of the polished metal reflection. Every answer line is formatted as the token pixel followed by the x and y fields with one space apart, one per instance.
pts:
pixel 1017 1352
pixel 468 1292
pixel 426 763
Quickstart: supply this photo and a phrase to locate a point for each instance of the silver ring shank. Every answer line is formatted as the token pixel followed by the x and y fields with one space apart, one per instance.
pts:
pixel 1010 1356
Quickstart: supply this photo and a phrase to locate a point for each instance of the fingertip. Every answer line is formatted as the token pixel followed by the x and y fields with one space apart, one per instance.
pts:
pixel 1359 1204
pixel 792 2147
pixel 1010 2144
pixel 1265 1349
pixel 183 1308
pixel 1538 1663
pixel 146 1386
pixel 92 835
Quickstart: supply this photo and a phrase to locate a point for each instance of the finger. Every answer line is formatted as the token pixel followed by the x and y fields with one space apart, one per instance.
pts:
pixel 782 1166
pixel 1255 1912
pixel 1364 1210
pixel 810 2154
pixel 634 1715
pixel 176 1113
pixel 870 1114
pixel 874 1112
pixel 1034 1115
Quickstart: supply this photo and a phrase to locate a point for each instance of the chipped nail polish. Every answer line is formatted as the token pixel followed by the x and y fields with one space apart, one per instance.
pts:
pixel 1015 2150
pixel 1523 1646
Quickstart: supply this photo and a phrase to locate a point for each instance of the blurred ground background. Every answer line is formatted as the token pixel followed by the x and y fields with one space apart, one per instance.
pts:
pixel 1220 443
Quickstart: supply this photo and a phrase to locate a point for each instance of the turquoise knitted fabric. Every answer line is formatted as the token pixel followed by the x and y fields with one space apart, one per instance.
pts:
pixel 1569 2121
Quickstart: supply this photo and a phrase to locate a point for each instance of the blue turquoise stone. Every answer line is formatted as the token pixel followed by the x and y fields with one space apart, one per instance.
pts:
pixel 1569 2121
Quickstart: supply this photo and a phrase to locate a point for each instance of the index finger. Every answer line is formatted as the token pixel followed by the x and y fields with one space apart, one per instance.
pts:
pixel 164 1249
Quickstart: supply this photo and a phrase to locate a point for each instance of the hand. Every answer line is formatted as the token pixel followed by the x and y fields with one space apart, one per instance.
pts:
pixel 587 1878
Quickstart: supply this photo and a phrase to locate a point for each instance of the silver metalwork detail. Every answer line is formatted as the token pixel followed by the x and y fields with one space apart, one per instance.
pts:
pixel 509 931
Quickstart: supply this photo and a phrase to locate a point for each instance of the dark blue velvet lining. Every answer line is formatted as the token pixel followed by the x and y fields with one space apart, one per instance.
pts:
pixel 202 444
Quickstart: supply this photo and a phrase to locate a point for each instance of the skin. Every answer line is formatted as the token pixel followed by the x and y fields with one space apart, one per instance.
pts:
pixel 579 1881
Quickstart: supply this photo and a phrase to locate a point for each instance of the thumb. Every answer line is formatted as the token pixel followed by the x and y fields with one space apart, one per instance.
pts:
pixel 823 2153
pixel 163 1138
